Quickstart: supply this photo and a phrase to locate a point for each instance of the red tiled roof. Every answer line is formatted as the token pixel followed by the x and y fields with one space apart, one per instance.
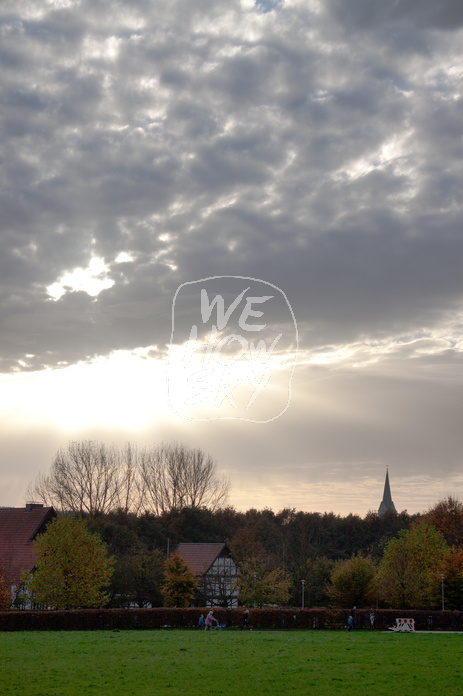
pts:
pixel 18 528
pixel 199 557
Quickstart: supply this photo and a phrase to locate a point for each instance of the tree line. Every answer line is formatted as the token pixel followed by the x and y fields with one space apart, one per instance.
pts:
pixel 120 559
pixel 288 557
pixel 395 560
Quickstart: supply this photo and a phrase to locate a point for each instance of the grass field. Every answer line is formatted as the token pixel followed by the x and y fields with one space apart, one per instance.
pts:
pixel 142 663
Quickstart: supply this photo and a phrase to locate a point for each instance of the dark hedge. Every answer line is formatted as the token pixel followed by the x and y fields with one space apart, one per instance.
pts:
pixel 264 619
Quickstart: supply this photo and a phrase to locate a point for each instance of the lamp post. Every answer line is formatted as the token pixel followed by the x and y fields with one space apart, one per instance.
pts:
pixel 303 583
pixel 255 575
pixel 442 577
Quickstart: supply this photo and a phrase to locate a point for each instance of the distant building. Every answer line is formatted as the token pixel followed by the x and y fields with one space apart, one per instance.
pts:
pixel 386 503
pixel 216 572
pixel 18 529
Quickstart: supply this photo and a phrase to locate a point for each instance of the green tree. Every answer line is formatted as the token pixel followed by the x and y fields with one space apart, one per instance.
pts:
pixel 409 573
pixel 317 573
pixel 147 575
pixel 138 578
pixel 180 585
pixel 380 529
pixel 72 569
pixel 260 584
pixel 353 582
pixel 138 567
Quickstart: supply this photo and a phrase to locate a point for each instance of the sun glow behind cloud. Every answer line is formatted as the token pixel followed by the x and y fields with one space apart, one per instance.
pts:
pixel 130 389
pixel 91 280
pixel 125 390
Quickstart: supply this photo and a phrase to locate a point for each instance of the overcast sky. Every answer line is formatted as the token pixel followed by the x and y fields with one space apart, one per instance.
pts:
pixel 313 147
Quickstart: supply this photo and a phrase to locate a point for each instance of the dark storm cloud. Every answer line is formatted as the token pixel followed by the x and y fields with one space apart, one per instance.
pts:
pixel 220 139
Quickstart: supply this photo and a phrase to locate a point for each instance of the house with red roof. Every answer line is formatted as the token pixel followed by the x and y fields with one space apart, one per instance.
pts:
pixel 18 529
pixel 216 572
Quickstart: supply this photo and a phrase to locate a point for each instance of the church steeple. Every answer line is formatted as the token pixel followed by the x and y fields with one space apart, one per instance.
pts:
pixel 386 503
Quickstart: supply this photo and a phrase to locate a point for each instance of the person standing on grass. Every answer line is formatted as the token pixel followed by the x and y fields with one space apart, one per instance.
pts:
pixel 209 619
pixel 352 614
pixel 201 622
pixel 245 620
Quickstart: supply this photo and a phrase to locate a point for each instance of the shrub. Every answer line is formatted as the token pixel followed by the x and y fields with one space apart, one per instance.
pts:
pixel 261 619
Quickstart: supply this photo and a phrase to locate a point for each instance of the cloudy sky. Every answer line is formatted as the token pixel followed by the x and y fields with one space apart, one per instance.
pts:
pixel 307 156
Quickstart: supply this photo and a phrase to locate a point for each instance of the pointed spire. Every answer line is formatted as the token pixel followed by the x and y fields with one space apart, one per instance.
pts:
pixel 386 503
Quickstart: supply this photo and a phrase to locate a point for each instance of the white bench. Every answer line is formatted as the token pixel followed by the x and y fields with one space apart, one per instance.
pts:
pixel 404 626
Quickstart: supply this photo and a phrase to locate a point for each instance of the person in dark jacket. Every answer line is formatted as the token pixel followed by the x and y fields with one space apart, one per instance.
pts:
pixel 245 620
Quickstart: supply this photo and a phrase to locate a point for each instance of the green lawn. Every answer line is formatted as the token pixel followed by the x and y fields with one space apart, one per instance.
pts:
pixel 142 663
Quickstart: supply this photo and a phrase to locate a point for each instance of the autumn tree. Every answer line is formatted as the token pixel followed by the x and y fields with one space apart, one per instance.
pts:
pixel 72 568
pixel 353 582
pixel 247 547
pixel 447 517
pixel 409 573
pixel 180 583
pixel 5 594
pixel 452 569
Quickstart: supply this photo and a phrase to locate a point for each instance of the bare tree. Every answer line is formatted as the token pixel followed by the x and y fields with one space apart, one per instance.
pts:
pixel 89 476
pixel 175 476
pixel 129 491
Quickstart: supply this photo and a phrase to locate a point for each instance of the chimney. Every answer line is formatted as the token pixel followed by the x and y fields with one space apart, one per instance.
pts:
pixel 33 506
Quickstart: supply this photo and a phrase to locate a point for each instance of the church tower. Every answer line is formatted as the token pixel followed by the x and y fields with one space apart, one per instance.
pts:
pixel 386 503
